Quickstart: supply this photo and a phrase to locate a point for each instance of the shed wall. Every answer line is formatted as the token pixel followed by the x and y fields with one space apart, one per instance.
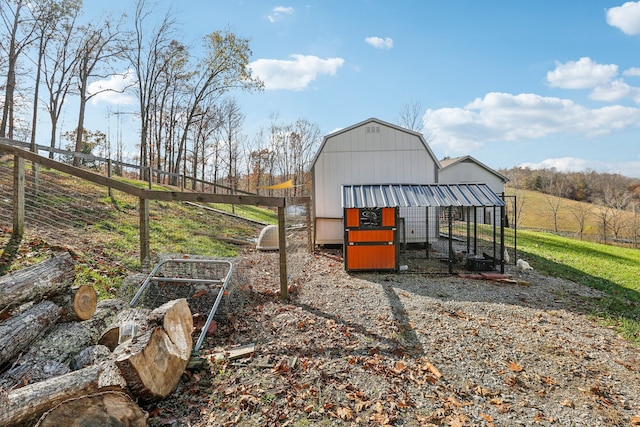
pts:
pixel 470 173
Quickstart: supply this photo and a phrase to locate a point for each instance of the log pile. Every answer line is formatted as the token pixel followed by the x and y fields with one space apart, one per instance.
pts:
pixel 66 359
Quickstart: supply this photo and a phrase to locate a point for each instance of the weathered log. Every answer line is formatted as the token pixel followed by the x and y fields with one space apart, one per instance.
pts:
pixel 27 404
pixel 77 303
pixel 49 355
pixel 110 408
pixel 37 282
pixel 17 332
pixel 105 312
pixel 153 362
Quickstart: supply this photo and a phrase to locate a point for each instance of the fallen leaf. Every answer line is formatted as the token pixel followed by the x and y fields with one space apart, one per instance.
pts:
pixel 344 413
pixel 514 367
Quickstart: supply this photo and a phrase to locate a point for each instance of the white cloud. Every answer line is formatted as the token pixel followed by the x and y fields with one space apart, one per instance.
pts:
pixel 625 17
pixel 278 13
pixel 573 164
pixel 379 42
pixel 614 91
pixel 583 74
pixel 507 117
pixel 632 72
pixel 113 89
pixel 294 74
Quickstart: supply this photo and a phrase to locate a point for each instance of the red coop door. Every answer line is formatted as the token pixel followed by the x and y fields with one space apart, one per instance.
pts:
pixel 370 239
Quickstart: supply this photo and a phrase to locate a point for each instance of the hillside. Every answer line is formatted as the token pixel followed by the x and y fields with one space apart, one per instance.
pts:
pixel 536 212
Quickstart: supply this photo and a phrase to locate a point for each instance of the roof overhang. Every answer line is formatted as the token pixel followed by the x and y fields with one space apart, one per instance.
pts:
pixel 422 195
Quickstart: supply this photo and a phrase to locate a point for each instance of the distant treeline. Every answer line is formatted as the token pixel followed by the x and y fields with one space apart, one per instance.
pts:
pixel 607 189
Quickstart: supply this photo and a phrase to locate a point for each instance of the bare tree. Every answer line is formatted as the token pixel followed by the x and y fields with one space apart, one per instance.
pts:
pixel 149 57
pixel 98 46
pixel 411 116
pixel 230 136
pixel 58 69
pixel 20 34
pixel 48 15
pixel 554 195
pixel 225 67
pixel 581 213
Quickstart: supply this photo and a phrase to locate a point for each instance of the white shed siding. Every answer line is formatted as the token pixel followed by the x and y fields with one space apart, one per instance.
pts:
pixel 469 172
pixel 371 152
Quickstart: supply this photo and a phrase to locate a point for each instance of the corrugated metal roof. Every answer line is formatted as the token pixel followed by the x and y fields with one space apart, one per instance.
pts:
pixel 406 195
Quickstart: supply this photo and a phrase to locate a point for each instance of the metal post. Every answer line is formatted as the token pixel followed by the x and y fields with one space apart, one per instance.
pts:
pixel 282 249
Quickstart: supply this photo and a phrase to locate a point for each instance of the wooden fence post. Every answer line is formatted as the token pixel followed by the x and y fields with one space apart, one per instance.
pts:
pixel 109 172
pixel 282 249
pixel 18 196
pixel 144 230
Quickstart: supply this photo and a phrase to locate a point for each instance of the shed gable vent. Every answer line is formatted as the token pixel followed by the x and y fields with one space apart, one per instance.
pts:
pixel 373 129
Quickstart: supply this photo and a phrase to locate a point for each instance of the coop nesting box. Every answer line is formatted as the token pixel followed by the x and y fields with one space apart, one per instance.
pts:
pixel 268 239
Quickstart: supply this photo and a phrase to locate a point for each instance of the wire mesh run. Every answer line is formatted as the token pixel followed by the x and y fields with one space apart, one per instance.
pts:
pixel 202 282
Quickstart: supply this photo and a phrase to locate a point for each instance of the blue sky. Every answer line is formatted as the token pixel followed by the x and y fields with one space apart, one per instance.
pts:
pixel 536 83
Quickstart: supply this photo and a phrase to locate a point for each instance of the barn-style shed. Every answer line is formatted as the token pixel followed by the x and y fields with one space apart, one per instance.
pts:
pixel 369 152
pixel 365 171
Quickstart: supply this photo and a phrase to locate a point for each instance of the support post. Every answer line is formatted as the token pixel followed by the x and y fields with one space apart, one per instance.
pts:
pixel 18 197
pixel 282 249
pixel 109 175
pixel 144 230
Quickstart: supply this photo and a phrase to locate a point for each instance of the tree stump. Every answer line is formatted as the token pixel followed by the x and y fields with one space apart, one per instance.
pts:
pixel 153 362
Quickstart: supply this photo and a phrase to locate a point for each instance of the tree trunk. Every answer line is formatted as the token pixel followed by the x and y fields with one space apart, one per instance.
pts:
pixel 28 403
pixel 37 282
pixel 109 408
pixel 16 333
pixel 153 362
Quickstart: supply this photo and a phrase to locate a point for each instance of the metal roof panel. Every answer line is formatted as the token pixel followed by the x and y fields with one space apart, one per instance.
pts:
pixel 411 195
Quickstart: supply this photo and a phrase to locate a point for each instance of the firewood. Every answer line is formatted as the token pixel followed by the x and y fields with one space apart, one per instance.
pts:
pixel 153 362
pixel 110 336
pixel 77 303
pixel 17 332
pixel 27 404
pixel 36 282
pixel 110 408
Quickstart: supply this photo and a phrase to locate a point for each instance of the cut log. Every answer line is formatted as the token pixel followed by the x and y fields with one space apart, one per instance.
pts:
pixel 77 303
pixel 17 332
pixel 27 404
pixel 110 337
pixel 153 362
pixel 110 408
pixel 37 282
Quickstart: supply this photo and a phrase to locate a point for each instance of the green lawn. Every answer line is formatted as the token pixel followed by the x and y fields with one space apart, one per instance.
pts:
pixel 611 269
